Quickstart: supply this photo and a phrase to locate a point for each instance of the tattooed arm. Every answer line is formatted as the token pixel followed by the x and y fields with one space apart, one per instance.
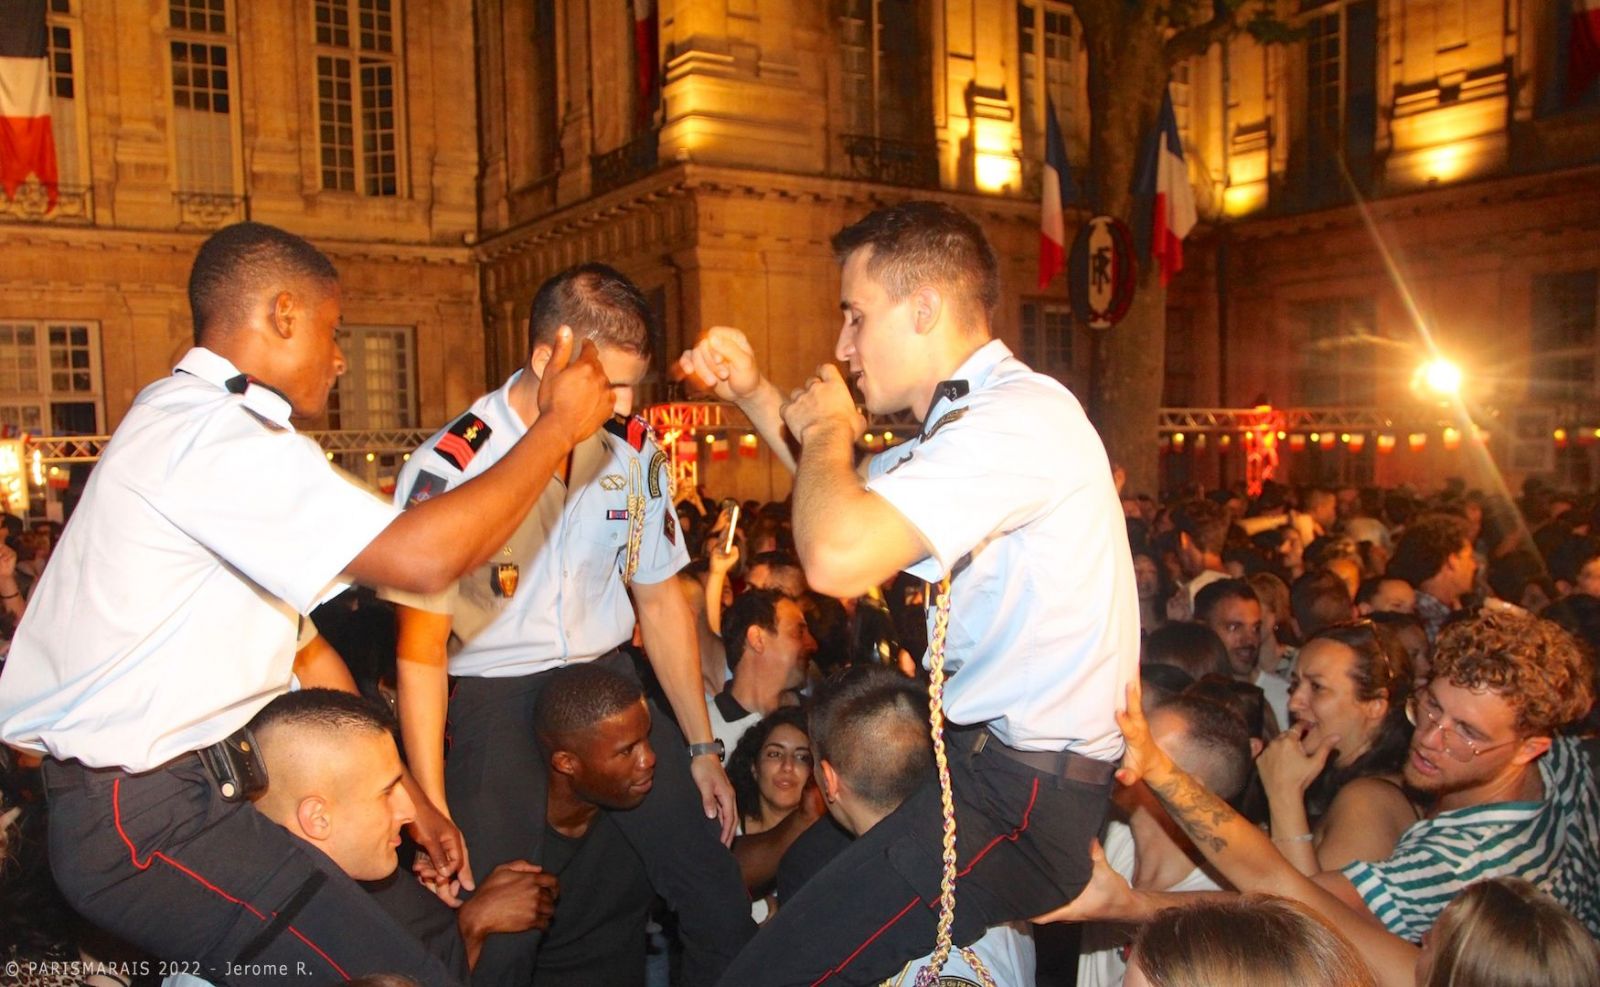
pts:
pixel 1245 856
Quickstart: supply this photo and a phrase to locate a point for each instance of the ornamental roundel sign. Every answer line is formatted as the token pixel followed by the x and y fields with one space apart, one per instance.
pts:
pixel 1101 272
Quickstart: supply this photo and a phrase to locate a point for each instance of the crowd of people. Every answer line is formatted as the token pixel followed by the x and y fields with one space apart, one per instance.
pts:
pixel 576 727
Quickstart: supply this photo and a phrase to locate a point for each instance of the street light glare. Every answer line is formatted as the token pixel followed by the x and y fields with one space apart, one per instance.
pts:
pixel 1441 377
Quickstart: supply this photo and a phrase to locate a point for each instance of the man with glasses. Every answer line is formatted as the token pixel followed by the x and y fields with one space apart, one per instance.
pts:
pixel 1511 796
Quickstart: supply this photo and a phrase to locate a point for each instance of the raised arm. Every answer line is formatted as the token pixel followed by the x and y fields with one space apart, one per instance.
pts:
pixel 724 362
pixel 849 539
pixel 437 541
pixel 1245 856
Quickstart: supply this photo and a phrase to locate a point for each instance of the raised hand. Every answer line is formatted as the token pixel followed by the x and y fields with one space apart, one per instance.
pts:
pixel 576 389
pixel 823 402
pixel 1287 768
pixel 724 362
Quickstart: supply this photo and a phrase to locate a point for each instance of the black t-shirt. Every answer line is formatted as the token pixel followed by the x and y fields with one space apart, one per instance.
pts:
pixel 809 853
pixel 597 937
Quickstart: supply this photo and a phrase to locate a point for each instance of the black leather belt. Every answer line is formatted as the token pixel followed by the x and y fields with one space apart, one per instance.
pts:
pixel 233 763
pixel 1057 764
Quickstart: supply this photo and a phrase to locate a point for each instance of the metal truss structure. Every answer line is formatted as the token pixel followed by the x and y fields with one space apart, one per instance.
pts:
pixel 1237 420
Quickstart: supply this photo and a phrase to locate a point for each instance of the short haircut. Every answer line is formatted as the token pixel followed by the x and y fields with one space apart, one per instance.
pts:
pixel 1538 668
pixel 598 302
pixel 1318 600
pixel 238 261
pixel 1205 523
pixel 1213 594
pixel 1220 741
pixel 927 243
pixel 329 710
pixel 1428 542
pixel 1195 648
pixel 871 724
pixel 576 698
pixel 1255 939
pixel 752 608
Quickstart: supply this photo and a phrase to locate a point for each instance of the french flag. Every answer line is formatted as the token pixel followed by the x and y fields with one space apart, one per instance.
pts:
pixel 1166 181
pixel 647 62
pixel 1583 52
pixel 1057 192
pixel 27 145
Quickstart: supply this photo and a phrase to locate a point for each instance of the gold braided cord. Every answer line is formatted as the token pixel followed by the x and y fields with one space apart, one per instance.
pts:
pixel 635 519
pixel 928 976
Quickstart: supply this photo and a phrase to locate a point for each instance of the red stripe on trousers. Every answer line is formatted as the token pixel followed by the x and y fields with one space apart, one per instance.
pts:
pixel 133 857
pixel 1033 796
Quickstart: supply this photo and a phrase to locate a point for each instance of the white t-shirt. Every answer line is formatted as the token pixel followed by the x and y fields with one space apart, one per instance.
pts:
pixel 1006 951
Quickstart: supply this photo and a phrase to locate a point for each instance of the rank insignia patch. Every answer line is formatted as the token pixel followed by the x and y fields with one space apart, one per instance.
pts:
pixel 658 469
pixel 616 515
pixel 462 440
pixel 426 485
pixel 612 481
pixel 669 526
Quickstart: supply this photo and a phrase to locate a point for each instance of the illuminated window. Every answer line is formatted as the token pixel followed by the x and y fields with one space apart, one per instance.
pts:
pixel 202 50
pixel 378 387
pixel 65 86
pixel 359 95
pixel 1338 122
pixel 50 377
pixel 1047 329
pixel 884 74
pixel 1047 66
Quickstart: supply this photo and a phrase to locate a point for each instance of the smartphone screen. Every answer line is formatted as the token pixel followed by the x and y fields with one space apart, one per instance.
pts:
pixel 731 513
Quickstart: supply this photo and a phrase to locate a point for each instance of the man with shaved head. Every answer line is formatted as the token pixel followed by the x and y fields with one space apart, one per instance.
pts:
pixel 336 774
pixel 169 616
pixel 870 732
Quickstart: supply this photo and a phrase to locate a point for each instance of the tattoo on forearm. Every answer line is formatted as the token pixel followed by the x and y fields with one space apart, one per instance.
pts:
pixel 1197 810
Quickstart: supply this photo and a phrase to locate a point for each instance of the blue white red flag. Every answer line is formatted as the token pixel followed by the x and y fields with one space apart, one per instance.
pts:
pixel 27 145
pixel 1165 180
pixel 1053 198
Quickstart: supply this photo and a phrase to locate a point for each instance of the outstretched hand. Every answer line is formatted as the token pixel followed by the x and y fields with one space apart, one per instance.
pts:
pixel 1106 898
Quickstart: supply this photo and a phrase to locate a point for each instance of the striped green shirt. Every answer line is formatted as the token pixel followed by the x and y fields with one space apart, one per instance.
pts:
pixel 1554 843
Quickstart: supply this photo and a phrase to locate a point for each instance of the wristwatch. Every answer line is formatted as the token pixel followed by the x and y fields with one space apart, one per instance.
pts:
pixel 716 747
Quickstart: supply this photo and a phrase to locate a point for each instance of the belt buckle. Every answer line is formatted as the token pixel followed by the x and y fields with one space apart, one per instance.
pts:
pixel 983 740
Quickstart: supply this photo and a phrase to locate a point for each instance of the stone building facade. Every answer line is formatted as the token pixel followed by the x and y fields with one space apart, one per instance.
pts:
pixel 451 154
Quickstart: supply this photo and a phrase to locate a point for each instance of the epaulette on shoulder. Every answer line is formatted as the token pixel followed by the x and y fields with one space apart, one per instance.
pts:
pixel 462 440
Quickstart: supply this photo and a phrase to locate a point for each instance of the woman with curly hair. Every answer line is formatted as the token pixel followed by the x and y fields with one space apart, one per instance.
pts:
pixel 1333 779
pixel 770 768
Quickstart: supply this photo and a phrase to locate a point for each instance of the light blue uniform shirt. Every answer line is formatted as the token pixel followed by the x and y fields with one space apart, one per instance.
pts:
pixel 1010 487
pixel 570 602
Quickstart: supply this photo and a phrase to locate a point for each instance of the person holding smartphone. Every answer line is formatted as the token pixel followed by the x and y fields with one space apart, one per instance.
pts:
pixel 600 550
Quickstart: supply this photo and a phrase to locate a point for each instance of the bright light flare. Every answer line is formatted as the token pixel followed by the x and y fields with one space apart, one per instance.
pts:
pixel 1440 376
